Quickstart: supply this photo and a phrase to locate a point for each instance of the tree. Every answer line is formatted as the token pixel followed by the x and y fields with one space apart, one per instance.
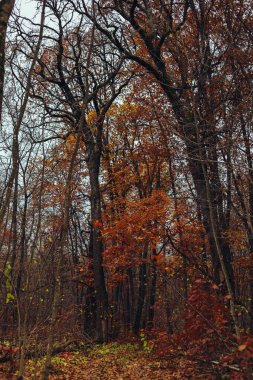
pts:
pixel 6 7
pixel 178 45
pixel 81 69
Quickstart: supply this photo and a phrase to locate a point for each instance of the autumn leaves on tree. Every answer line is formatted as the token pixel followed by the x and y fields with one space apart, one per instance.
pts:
pixel 126 198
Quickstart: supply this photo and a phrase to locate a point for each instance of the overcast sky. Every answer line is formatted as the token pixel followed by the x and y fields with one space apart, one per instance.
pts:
pixel 27 8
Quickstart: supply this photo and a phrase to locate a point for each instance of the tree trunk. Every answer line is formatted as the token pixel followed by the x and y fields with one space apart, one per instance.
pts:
pixel 90 301
pixel 152 297
pixel 97 249
pixel 141 294
pixel 6 7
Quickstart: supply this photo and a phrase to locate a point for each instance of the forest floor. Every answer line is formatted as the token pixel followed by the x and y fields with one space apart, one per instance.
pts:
pixel 116 361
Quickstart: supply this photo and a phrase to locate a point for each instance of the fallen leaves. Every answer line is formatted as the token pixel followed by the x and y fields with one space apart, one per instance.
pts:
pixel 114 361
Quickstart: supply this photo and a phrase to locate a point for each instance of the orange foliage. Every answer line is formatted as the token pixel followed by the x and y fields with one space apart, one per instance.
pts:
pixel 139 227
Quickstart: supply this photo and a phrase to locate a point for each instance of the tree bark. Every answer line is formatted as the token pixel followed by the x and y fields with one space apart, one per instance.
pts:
pixel 6 7
pixel 97 247
pixel 142 292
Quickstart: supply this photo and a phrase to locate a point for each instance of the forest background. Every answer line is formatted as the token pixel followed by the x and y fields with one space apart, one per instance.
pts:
pixel 126 189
